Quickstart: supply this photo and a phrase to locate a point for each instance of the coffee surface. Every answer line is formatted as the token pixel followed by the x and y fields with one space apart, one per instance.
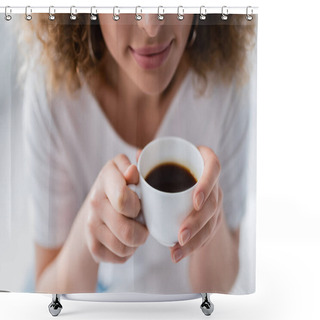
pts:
pixel 170 177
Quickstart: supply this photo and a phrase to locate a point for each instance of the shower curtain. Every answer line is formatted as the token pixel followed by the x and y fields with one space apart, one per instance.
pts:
pixel 91 105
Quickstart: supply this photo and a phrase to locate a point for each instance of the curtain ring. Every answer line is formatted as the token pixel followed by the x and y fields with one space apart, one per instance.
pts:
pixel 116 16
pixel 249 16
pixel 28 13
pixel 93 16
pixel 224 13
pixel 52 11
pixel 203 13
pixel 7 12
pixel 180 13
pixel 73 13
pixel 138 16
pixel 160 15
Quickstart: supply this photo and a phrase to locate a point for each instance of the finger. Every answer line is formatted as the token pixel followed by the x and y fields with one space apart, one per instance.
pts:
pixel 122 198
pixel 196 220
pixel 138 154
pixel 101 254
pixel 122 162
pixel 132 174
pixel 129 170
pixel 107 238
pixel 130 232
pixel 179 252
pixel 208 179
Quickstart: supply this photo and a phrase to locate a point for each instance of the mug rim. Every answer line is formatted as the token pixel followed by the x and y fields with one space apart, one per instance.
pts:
pixel 168 138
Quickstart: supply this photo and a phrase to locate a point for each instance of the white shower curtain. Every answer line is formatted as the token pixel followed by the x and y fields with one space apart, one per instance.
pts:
pixel 80 99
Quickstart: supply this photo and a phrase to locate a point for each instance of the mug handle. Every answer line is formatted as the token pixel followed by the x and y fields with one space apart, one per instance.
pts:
pixel 137 189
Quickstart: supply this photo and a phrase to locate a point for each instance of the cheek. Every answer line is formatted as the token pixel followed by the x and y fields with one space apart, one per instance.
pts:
pixel 116 36
pixel 183 31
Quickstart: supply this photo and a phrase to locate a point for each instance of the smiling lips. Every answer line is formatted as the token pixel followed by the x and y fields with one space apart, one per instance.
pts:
pixel 151 57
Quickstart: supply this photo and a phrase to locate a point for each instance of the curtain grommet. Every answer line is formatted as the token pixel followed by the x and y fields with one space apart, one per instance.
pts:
pixel 93 15
pixel 138 16
pixel 249 13
pixel 28 13
pixel 73 13
pixel 52 11
pixel 116 15
pixel 160 14
pixel 180 14
pixel 203 13
pixel 7 13
pixel 224 13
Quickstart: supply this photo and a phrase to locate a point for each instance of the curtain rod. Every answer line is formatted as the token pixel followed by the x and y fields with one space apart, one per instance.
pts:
pixel 8 10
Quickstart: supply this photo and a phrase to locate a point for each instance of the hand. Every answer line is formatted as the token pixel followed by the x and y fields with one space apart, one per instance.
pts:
pixel 203 222
pixel 112 234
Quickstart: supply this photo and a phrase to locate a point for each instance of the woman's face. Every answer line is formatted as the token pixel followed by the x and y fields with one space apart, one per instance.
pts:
pixel 147 51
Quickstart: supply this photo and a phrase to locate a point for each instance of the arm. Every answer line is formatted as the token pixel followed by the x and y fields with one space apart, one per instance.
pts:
pixel 214 243
pixel 214 267
pixel 71 242
pixel 59 270
pixel 103 231
pixel 205 236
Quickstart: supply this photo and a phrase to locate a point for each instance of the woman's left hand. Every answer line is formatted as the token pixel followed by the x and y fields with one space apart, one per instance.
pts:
pixel 203 222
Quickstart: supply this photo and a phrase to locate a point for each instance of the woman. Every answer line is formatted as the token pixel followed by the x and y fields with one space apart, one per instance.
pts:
pixel 111 88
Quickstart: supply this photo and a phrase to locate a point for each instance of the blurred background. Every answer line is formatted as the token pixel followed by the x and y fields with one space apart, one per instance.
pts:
pixel 16 248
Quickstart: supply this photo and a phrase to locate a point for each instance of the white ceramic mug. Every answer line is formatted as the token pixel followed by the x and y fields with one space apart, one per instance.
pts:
pixel 163 211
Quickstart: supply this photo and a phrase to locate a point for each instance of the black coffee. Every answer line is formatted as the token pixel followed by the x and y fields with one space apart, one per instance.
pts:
pixel 170 177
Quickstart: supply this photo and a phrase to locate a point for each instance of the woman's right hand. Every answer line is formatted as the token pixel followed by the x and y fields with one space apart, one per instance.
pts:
pixel 112 234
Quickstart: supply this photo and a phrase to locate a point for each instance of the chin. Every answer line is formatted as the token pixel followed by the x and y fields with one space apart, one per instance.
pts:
pixel 154 85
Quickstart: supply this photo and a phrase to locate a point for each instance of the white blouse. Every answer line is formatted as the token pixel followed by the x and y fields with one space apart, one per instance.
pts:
pixel 69 139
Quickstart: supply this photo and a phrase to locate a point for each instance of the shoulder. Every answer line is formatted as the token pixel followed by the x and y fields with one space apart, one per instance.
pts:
pixel 35 102
pixel 217 98
pixel 56 106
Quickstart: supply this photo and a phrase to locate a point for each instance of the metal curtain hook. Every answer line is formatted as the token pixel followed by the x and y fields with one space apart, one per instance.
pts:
pixel 52 11
pixel 28 13
pixel 249 12
pixel 7 12
pixel 224 13
pixel 73 13
pixel 180 13
pixel 138 16
pixel 116 16
pixel 203 13
pixel 160 15
pixel 93 16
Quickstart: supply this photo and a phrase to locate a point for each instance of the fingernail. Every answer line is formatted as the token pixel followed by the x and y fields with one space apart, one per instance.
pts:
pixel 177 255
pixel 199 200
pixel 185 236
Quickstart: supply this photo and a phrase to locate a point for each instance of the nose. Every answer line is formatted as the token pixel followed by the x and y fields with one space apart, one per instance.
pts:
pixel 150 24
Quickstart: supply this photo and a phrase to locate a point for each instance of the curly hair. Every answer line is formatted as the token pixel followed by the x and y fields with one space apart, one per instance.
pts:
pixel 74 51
